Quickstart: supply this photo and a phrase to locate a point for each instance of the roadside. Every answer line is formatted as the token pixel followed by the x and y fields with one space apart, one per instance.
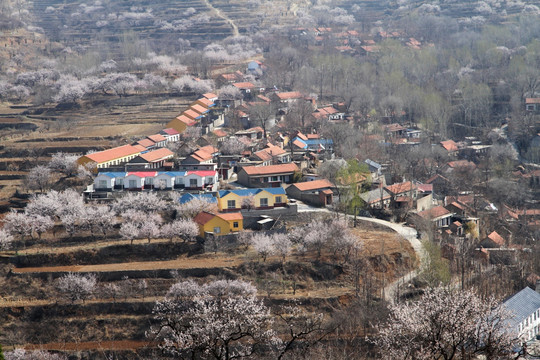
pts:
pixel 410 234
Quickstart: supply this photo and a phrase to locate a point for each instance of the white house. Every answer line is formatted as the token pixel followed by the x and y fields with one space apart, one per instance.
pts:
pixel 524 308
pixel 139 180
pixel 109 180
pixel 170 179
pixel 201 179
pixel 170 134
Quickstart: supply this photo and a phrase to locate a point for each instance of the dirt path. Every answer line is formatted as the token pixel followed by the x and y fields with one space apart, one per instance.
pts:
pixel 224 17
pixel 181 263
pixel 91 345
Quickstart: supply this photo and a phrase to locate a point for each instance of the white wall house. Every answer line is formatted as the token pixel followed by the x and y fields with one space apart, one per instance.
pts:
pixel 525 310
pixel 109 180
pixel 138 180
pixel 170 179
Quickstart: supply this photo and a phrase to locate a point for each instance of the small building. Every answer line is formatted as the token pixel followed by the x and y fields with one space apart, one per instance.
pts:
pixel 111 157
pixel 203 155
pixel 201 180
pixel 377 199
pixel 109 181
pixel 170 134
pixel 450 146
pixel 524 308
pixel 139 180
pixel 265 198
pixel 152 159
pixel 493 240
pixel 438 215
pixel 219 224
pixel 267 176
pixel 532 104
pixel 317 192
pixel 170 180
pixel 406 188
pixel 158 139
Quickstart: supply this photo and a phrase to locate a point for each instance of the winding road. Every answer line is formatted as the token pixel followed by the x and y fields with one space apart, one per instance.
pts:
pixel 223 16
pixel 408 233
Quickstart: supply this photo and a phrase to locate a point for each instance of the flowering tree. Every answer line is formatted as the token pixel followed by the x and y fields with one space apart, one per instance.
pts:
pixel 263 245
pixel 143 201
pixel 41 224
pixel 76 286
pixel 39 178
pixel 446 324
pixel 282 245
pixel 17 223
pixel 232 146
pixel 230 92
pixel 185 229
pixel 129 231
pixel 65 163
pixel 248 202
pixel 21 354
pixel 193 207
pixel 221 320
pixel 5 239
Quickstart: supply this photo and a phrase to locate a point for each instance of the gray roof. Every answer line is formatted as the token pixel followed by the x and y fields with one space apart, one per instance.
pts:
pixel 374 195
pixel 373 164
pixel 522 304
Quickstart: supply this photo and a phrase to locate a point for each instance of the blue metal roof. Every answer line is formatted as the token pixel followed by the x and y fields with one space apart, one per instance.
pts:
pixel 250 192
pixel 188 197
pixel 317 141
pixel 113 175
pixel 173 173
pixel 522 304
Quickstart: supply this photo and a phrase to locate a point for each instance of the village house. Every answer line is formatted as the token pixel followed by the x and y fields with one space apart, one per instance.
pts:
pixel 204 155
pixel 254 133
pixel 170 180
pixel 450 147
pixel 108 181
pixel 524 308
pixel 201 180
pixel 146 143
pixel 459 165
pixel 267 176
pixel 111 157
pixel 532 104
pixel 170 134
pixel 229 78
pixel 316 192
pixel 493 240
pixel 271 155
pixel 154 159
pixel 377 199
pixel 219 224
pixel 158 139
pixel 139 180
pixel 312 142
pixel 265 198
pixel 181 123
pixel 438 215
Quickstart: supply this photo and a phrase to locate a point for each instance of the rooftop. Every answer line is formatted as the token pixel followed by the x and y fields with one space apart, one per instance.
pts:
pixel 313 185
pixel 271 169
pixel 114 153
pixel 522 304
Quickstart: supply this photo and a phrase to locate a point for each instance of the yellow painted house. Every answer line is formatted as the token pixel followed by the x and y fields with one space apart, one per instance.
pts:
pixel 219 224
pixel 264 198
pixel 112 157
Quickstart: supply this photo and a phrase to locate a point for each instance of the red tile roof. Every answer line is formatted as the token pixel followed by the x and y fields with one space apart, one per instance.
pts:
pixel 113 154
pixel 313 185
pixel 210 96
pixel 434 212
pixel 462 164
pixel 199 108
pixel 401 187
pixel 190 113
pixel 143 174
pixel 220 133
pixel 202 172
pixel 203 217
pixel 532 101
pixel 496 238
pixel 206 102
pixel 290 95
pixel 271 169
pixel 186 120
pixel 170 131
pixel 244 85
pixel 449 145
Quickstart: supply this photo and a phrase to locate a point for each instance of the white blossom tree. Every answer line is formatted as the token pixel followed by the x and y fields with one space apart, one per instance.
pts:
pixel 232 146
pixel 185 229
pixel 17 223
pixel 39 178
pixel 263 245
pixel 143 201
pixel 220 320
pixel 65 163
pixel 282 245
pixel 41 224
pixel 193 207
pixel 21 354
pixel 446 324
pixel 5 239
pixel 76 286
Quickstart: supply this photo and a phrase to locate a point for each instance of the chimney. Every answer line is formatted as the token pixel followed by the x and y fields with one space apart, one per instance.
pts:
pixel 538 286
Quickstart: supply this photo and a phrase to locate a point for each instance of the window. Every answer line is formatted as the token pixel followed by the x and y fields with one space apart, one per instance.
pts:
pixel 132 183
pixel 274 178
pixel 149 181
pixel 231 204
pixel 120 181
pixel 217 230
pixel 102 184
pixel 278 199
pixel 235 224
pixel 193 182
pixel 264 202
pixel 179 180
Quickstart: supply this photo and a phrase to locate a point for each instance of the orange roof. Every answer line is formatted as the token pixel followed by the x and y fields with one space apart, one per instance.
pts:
pixel 140 147
pixel 496 238
pixel 146 143
pixel 190 113
pixel 289 95
pixel 301 136
pixel 199 108
pixel 394 127
pixel 113 154
pixel 206 102
pixel 210 96
pixel 230 216
pixel 434 213
pixel 272 169
pixel 449 145
pixel 462 163
pixel 313 136
pixel 189 122
pixel 263 155
pixel 401 187
pixel 220 133
pixel 532 101
pixel 203 217
pixel 156 155
pixel 157 138
pixel 264 98
pixel 313 185
pixel 210 149
pixel 244 85
pixel 299 144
